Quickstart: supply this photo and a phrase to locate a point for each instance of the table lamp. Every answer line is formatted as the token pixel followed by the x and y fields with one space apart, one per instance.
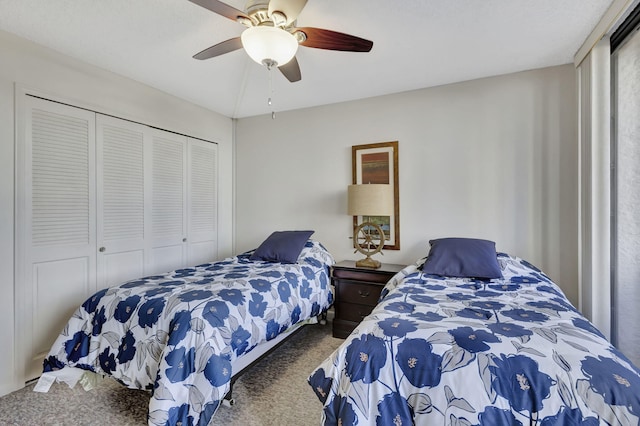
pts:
pixel 369 200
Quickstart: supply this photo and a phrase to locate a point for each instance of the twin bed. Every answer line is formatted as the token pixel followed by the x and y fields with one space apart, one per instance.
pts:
pixel 444 347
pixel 187 334
pixel 463 337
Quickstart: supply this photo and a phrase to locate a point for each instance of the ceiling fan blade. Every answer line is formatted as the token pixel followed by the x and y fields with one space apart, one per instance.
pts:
pixel 290 8
pixel 221 9
pixel 220 49
pixel 291 70
pixel 333 40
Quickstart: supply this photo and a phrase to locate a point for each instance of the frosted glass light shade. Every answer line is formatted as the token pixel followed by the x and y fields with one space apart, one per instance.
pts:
pixel 265 44
pixel 370 200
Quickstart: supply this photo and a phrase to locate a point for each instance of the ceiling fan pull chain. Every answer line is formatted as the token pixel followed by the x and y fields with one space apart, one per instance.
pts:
pixel 270 101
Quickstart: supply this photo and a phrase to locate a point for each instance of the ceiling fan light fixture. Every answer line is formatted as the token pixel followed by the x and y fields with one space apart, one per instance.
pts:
pixel 269 46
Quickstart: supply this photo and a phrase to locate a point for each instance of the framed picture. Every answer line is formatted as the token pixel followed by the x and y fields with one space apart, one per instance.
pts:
pixel 378 163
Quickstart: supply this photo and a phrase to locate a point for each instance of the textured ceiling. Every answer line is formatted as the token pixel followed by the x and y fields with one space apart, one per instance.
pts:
pixel 417 44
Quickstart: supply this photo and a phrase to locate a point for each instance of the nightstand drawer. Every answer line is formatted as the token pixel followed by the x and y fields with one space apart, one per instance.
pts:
pixel 357 292
pixel 369 276
pixel 352 311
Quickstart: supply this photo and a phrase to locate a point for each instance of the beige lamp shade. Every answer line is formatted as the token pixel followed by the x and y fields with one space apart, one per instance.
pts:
pixel 370 200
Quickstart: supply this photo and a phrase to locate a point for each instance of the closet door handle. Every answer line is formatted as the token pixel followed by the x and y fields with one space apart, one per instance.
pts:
pixel 184 240
pixel 101 249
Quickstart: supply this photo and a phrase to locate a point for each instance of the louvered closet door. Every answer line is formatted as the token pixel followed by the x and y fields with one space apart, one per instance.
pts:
pixel 169 201
pixel 120 152
pixel 55 223
pixel 202 197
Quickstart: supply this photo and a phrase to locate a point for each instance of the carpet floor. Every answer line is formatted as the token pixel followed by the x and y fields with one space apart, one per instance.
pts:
pixel 274 392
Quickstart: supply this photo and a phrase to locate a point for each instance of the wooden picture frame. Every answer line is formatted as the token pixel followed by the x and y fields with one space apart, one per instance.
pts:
pixel 378 163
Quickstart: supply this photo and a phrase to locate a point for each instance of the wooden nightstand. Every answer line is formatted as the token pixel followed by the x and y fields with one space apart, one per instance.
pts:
pixel 356 293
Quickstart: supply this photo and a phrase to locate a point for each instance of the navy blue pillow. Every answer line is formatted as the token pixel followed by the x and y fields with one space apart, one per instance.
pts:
pixel 463 258
pixel 282 246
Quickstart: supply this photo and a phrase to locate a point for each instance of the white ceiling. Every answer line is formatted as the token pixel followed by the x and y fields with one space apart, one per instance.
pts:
pixel 417 44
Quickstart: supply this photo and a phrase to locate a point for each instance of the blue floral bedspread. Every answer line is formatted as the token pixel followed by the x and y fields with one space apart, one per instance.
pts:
pixel 177 334
pixel 444 351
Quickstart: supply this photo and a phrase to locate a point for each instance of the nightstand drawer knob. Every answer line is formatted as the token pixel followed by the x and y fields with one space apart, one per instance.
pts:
pixel 363 293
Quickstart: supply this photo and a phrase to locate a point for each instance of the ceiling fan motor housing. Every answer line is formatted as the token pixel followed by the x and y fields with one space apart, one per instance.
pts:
pixel 258 11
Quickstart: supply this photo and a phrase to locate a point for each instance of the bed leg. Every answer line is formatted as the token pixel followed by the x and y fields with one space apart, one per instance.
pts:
pixel 228 400
pixel 323 318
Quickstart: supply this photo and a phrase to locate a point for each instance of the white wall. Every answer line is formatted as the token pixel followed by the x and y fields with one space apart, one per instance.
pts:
pixel 48 72
pixel 494 158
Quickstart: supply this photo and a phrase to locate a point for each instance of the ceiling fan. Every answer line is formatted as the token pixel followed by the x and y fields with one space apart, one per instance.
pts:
pixel 271 37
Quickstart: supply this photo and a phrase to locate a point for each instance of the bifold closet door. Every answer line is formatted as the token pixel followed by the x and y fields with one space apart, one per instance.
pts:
pixel 55 223
pixel 168 201
pixel 100 201
pixel 184 201
pixel 121 156
pixel 202 203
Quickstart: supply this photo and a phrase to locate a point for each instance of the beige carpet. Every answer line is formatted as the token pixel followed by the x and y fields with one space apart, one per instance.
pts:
pixel 274 392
